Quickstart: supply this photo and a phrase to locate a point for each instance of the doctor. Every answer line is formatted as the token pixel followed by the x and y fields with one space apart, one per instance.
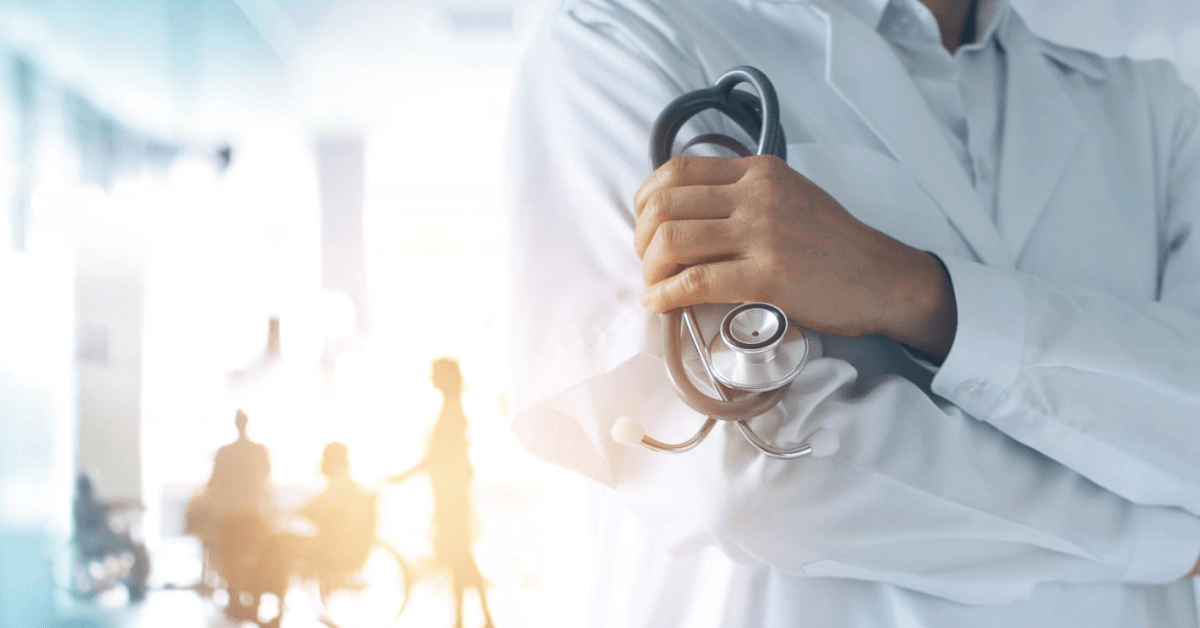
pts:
pixel 995 237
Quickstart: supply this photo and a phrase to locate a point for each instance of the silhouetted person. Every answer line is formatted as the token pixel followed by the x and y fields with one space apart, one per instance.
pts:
pixel 238 507
pixel 95 538
pixel 449 470
pixel 344 515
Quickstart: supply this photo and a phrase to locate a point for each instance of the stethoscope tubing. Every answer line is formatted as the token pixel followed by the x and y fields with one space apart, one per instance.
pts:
pixel 757 117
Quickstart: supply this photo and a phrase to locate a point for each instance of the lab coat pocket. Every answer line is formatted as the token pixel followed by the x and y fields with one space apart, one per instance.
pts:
pixel 877 190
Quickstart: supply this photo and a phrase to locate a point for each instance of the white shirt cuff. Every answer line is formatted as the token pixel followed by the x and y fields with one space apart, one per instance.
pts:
pixel 988 344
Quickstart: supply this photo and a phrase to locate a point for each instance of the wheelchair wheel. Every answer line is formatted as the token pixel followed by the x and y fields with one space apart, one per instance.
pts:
pixel 374 596
pixel 73 575
pixel 84 578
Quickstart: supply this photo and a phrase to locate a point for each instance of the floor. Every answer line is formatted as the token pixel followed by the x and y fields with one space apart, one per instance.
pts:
pixel 179 609
pixel 174 602
pixel 187 609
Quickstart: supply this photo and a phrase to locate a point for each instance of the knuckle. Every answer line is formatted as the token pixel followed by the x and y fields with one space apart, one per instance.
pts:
pixel 760 186
pixel 772 196
pixel 663 202
pixel 653 211
pixel 664 205
pixel 675 170
pixel 664 238
pixel 764 276
pixel 694 280
pixel 771 263
pixel 764 192
pixel 669 237
pixel 758 161
pixel 777 166
pixel 768 164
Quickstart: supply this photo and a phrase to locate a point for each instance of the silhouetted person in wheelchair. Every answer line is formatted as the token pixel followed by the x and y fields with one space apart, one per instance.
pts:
pixel 449 470
pixel 237 510
pixel 95 538
pixel 345 518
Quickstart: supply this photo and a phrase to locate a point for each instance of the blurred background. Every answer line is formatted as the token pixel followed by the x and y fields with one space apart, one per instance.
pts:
pixel 288 207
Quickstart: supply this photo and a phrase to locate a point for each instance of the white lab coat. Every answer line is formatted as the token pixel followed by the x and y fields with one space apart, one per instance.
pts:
pixel 1046 475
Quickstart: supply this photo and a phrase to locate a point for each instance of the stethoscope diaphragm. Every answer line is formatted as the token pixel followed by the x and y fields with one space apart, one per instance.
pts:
pixel 757 350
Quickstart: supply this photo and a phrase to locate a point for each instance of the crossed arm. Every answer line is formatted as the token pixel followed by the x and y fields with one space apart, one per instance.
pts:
pixel 713 230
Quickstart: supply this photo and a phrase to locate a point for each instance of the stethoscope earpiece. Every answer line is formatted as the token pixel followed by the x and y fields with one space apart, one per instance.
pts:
pixel 627 432
pixel 824 443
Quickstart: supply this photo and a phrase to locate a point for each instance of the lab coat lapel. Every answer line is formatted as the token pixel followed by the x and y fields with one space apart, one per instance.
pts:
pixel 865 72
pixel 1042 131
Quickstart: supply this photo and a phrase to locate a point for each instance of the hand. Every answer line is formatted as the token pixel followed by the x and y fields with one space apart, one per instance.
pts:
pixel 713 230
pixel 1195 570
pixel 403 477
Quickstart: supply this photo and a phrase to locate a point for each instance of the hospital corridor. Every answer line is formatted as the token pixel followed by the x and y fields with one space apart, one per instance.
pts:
pixel 369 314
pixel 224 209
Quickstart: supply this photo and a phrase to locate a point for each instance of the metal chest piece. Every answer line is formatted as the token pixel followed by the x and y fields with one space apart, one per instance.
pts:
pixel 757 350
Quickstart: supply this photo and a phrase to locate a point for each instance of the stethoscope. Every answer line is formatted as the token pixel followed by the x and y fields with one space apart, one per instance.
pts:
pixel 752 361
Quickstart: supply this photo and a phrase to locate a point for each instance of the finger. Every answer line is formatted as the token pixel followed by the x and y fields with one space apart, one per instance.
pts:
pixel 700 202
pixel 687 243
pixel 718 282
pixel 685 171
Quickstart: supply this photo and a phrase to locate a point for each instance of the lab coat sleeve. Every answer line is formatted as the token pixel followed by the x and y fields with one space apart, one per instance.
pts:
pixel 919 495
pixel 1107 387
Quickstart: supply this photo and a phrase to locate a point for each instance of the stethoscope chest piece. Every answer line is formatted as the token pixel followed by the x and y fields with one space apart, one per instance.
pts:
pixel 757 350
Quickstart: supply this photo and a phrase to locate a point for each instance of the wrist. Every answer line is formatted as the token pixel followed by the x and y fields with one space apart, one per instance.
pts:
pixel 925 315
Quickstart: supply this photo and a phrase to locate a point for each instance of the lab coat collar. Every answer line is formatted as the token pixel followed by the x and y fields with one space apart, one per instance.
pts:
pixel 890 104
pixel 1042 132
pixel 1086 63
pixel 990 16
pixel 871 12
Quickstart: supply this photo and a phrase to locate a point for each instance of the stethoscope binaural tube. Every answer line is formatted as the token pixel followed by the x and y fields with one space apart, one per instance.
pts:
pixel 758 117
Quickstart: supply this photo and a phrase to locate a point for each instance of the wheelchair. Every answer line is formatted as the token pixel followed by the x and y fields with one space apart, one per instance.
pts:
pixel 357 587
pixel 371 590
pixel 96 561
pixel 241 564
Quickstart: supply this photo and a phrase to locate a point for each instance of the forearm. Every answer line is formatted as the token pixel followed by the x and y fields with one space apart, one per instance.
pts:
pixel 985 524
pixel 1107 388
pixel 397 479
